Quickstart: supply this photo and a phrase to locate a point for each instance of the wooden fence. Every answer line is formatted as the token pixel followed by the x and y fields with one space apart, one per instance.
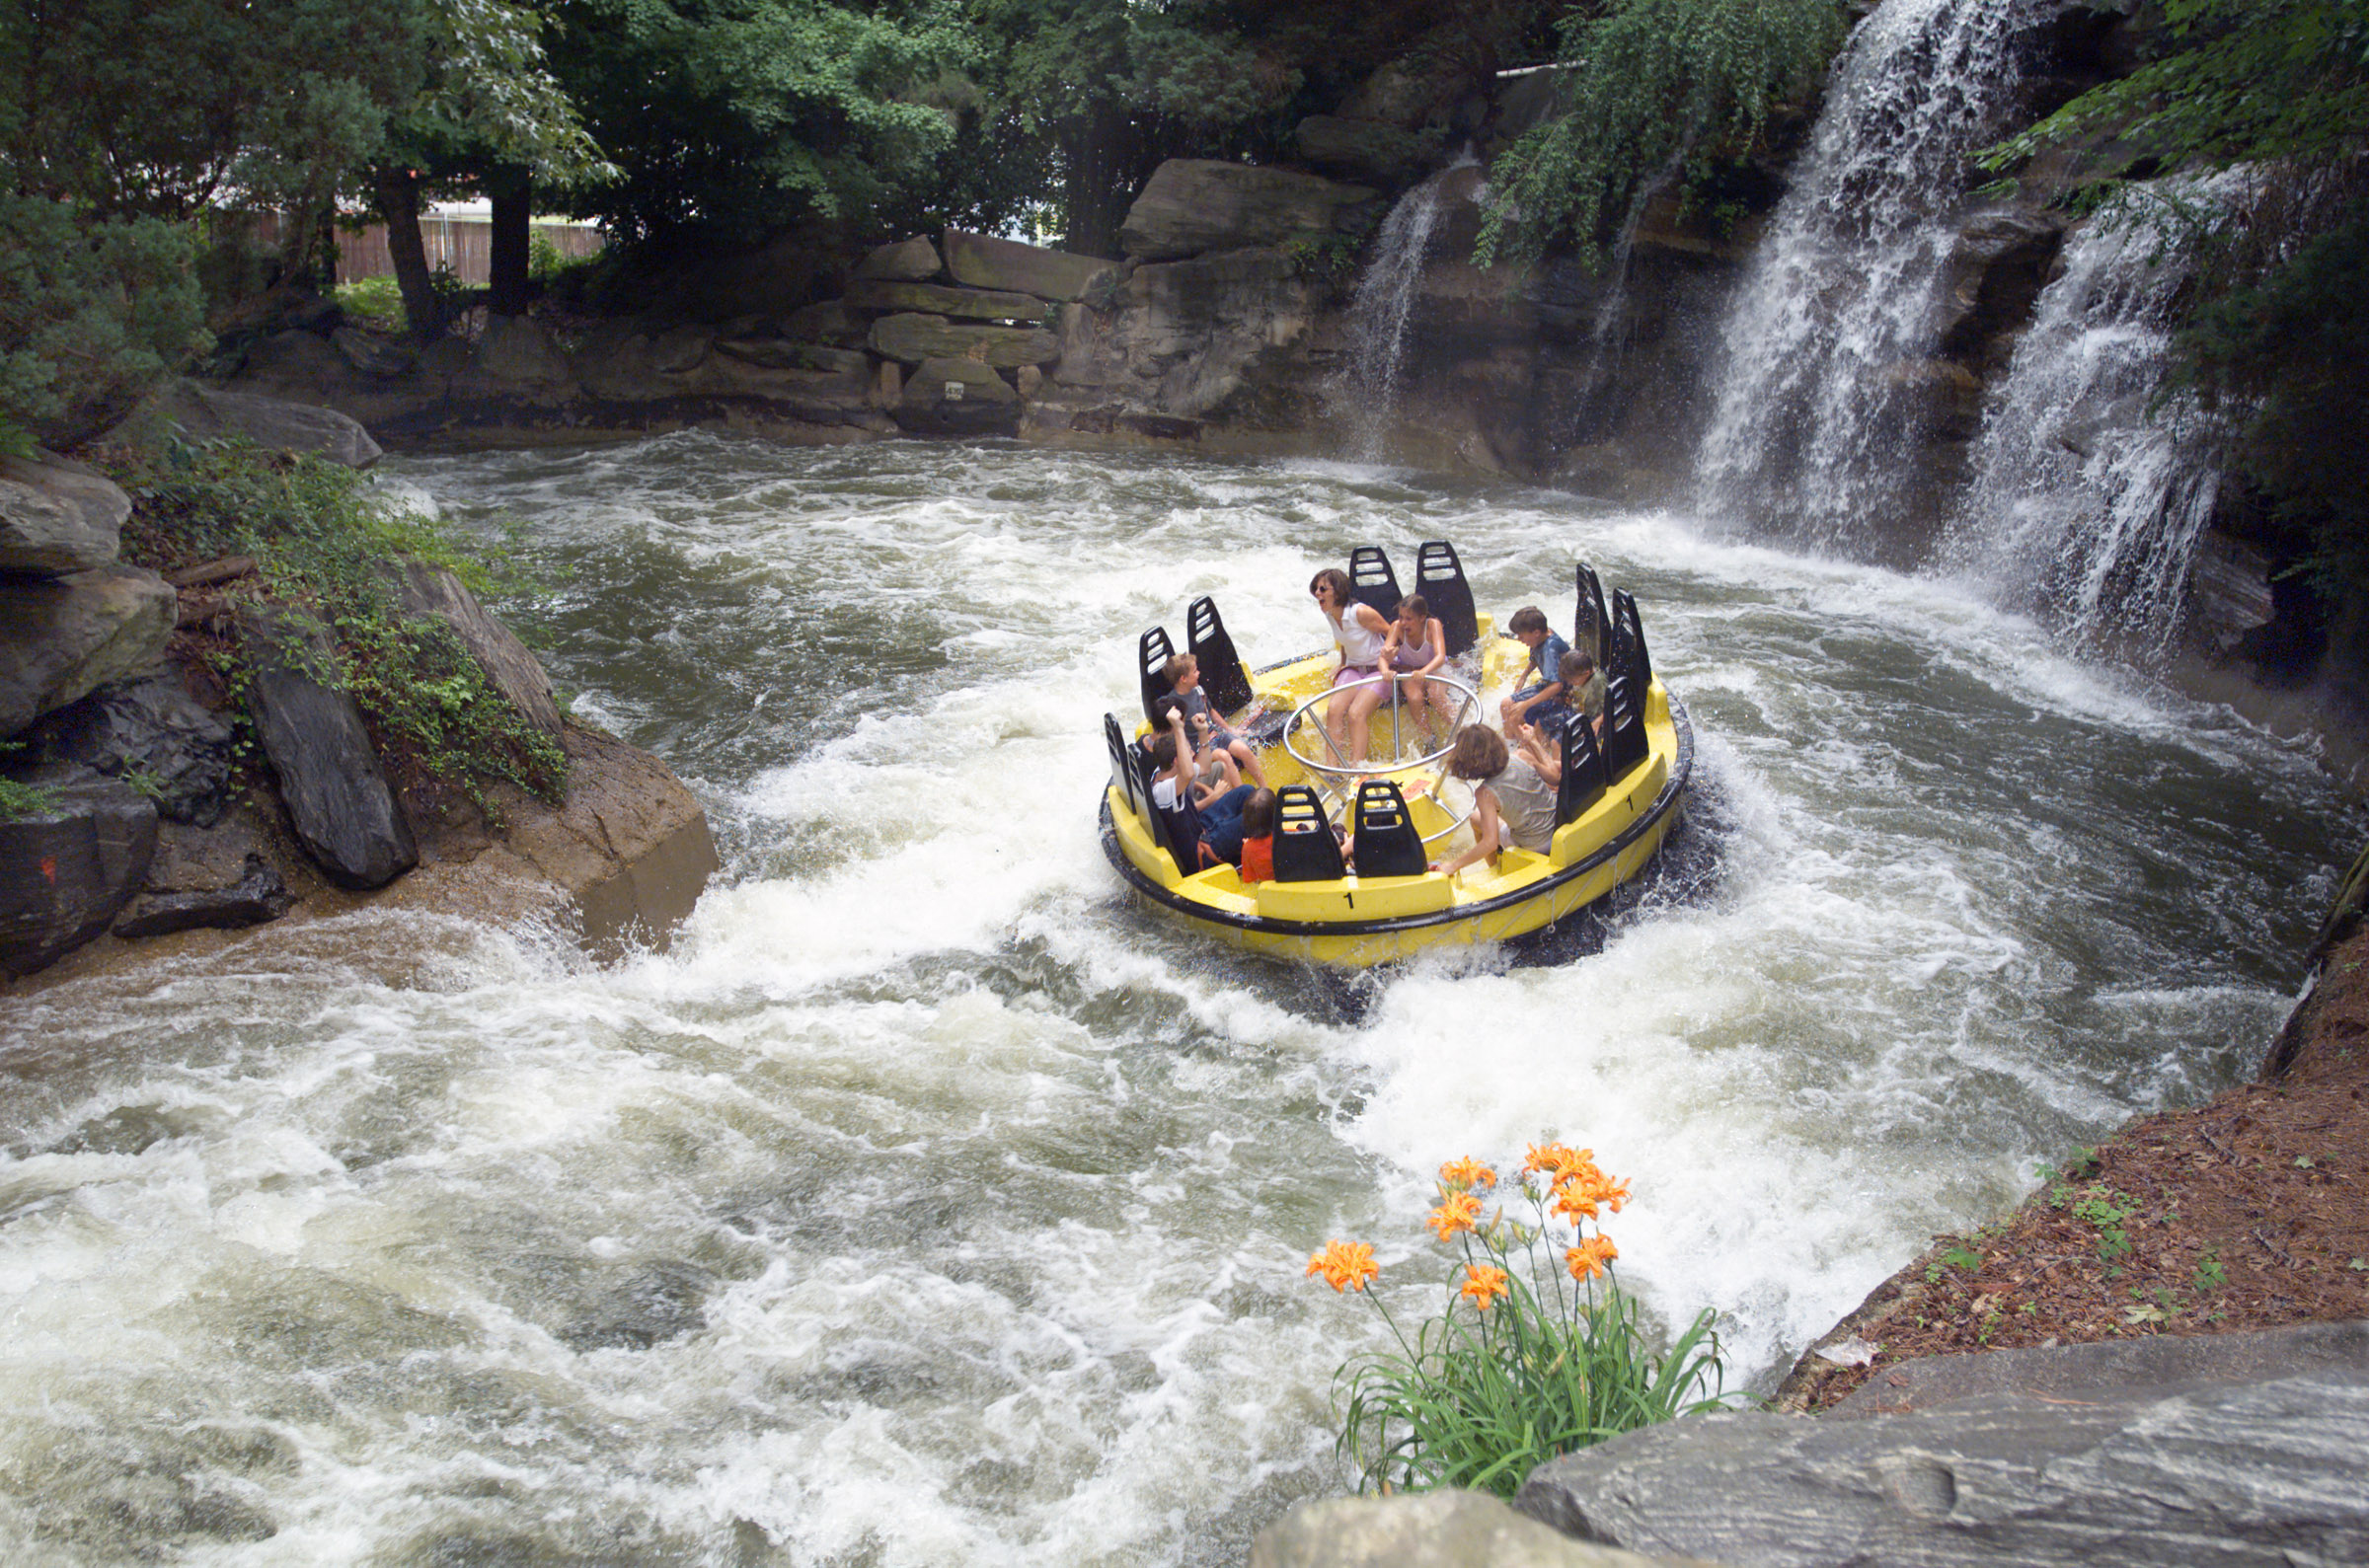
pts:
pixel 464 244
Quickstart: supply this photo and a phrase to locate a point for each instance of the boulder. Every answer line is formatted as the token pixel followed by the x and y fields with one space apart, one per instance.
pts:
pixel 983 261
pixel 434 591
pixel 151 734
pixel 222 878
pixel 69 866
pixel 1364 149
pixel 939 300
pixel 2154 1466
pixel 1190 334
pixel 907 261
pixel 339 801
pixel 58 516
pixel 373 354
pixel 61 637
pixel 208 413
pixel 259 895
pixel 517 352
pixel 1433 1529
pixel 630 844
pixel 1996 271
pixel 297 365
pixel 624 362
pixel 1403 96
pixel 911 337
pixel 818 396
pixel 826 321
pixel 957 396
pixel 1193 205
pixel 780 353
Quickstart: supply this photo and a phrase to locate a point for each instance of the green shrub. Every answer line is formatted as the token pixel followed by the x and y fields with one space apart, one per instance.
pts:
pixel 94 313
pixel 18 799
pixel 1652 90
pixel 1531 1357
pixel 373 301
pixel 326 545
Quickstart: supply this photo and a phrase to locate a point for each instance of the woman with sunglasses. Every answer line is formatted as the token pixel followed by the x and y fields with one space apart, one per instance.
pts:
pixel 1356 689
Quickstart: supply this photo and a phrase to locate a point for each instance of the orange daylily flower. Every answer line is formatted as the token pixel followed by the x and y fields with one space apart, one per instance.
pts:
pixel 1467 1173
pixel 1346 1265
pixel 1574 1199
pixel 1579 1196
pixel 1559 1161
pixel 1587 1259
pixel 1457 1213
pixel 1484 1284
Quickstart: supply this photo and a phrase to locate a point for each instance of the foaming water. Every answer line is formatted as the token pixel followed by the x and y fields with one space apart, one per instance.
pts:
pixel 929 1203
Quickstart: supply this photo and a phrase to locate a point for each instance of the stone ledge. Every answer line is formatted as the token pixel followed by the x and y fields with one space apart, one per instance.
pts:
pixel 1433 1529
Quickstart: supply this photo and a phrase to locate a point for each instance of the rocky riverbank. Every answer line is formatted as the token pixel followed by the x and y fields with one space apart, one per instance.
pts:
pixel 186 754
pixel 2241 1214
pixel 2160 1357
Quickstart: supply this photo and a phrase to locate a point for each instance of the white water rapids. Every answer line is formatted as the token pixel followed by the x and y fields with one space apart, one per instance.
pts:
pixel 929 1204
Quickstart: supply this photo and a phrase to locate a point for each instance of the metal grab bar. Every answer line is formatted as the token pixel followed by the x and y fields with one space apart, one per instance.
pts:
pixel 1329 774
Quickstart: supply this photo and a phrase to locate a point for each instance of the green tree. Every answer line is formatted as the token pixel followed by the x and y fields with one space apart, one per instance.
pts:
pixel 121 123
pixel 93 312
pixel 1114 88
pixel 733 120
pixel 1652 90
pixel 490 116
pixel 2229 81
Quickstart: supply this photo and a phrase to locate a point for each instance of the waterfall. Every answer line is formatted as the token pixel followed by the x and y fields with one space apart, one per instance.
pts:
pixel 1828 371
pixel 2088 496
pixel 1368 387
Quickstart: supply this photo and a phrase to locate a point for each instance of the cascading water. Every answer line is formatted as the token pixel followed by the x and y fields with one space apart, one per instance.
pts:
pixel 2088 496
pixel 1376 326
pixel 1827 369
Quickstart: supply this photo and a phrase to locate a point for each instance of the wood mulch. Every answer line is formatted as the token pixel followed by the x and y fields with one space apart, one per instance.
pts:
pixel 2248 1212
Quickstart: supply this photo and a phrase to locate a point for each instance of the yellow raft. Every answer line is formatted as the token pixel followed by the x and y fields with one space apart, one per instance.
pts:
pixel 1617 801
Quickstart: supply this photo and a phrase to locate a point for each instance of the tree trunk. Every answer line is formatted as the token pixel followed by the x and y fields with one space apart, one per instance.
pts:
pixel 397 193
pixel 1100 180
pixel 511 191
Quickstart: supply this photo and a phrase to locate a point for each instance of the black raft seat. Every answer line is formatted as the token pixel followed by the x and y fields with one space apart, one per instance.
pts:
pixel 1440 579
pixel 1386 843
pixel 1591 628
pixel 1305 848
pixel 1372 581
pixel 1153 650
pixel 1625 746
pixel 1583 779
pixel 1629 654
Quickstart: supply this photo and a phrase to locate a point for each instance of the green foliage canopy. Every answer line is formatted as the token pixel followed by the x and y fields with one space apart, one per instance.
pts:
pixel 2235 81
pixel 160 107
pixel 1650 90
pixel 734 118
pixel 489 88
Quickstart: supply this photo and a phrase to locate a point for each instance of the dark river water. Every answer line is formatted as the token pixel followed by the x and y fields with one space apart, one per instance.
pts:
pixel 928 1202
